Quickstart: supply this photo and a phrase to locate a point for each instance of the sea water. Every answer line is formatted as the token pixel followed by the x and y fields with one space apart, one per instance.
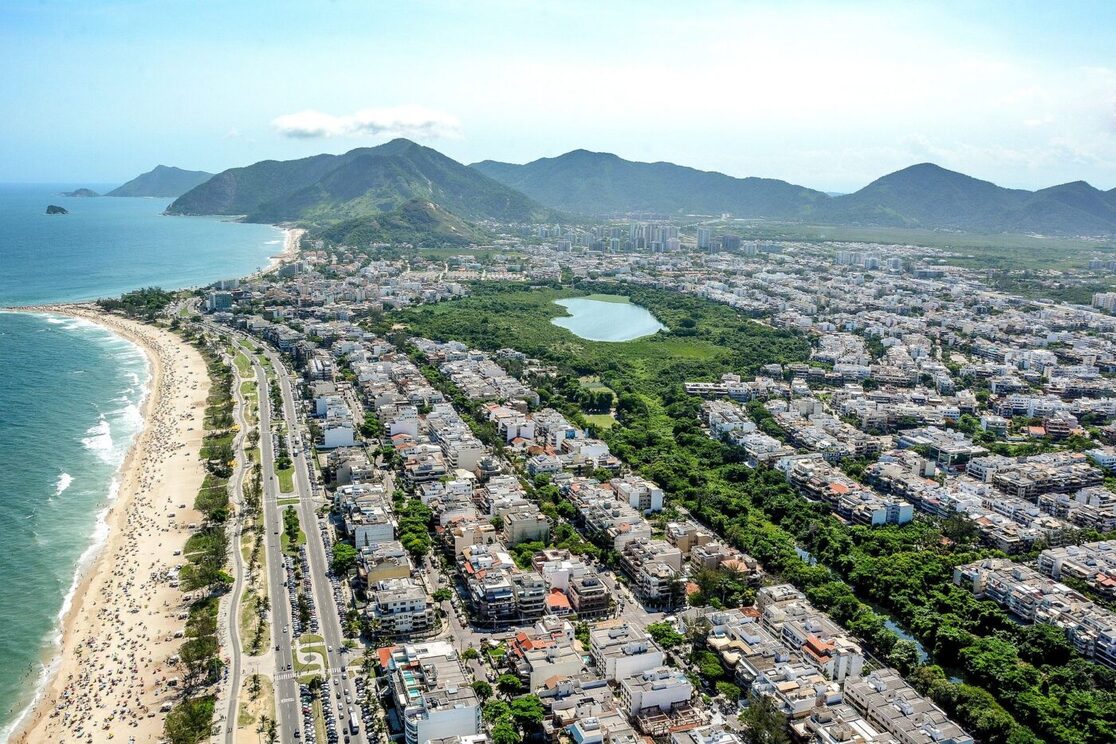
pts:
pixel 71 392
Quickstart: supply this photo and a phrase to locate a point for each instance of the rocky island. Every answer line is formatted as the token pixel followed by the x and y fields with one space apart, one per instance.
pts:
pixel 80 192
pixel 55 209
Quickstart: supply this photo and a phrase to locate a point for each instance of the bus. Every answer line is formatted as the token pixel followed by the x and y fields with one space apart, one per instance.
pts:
pixel 354 721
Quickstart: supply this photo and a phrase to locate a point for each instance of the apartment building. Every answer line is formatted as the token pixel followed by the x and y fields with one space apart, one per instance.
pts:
pixel 430 689
pixel 401 606
pixel 620 650
pixel 889 703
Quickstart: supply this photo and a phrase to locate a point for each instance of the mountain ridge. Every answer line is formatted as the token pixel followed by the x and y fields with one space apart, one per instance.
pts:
pixel 923 195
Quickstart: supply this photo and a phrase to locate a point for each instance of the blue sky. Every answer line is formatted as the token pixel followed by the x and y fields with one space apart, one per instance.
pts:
pixel 826 94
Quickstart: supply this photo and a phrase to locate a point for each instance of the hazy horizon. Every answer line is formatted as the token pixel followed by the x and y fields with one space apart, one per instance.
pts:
pixel 823 96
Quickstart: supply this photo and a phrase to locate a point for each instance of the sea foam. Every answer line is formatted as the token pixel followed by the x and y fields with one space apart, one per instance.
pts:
pixel 63 482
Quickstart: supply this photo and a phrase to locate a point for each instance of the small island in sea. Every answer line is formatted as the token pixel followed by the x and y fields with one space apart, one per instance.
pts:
pixel 81 192
pixel 55 209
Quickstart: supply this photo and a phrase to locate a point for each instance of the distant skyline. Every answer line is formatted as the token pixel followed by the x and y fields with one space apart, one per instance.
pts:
pixel 829 95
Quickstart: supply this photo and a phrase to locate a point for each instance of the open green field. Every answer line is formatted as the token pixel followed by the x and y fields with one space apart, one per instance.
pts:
pixel 600 421
pixel 286 479
pixel 243 366
pixel 619 299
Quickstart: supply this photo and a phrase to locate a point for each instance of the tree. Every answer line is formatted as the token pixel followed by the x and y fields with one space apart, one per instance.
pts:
pixel 764 723
pixel 1042 643
pixel 527 712
pixel 504 733
pixel 482 689
pixel 191 721
pixel 729 690
pixel 665 635
pixel 494 710
pixel 470 653
pixel 904 656
pixel 509 684
pixel 344 558
pixel 444 595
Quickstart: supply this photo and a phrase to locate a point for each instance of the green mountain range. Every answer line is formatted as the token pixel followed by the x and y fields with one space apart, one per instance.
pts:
pixel 326 189
pixel 924 196
pixel 163 180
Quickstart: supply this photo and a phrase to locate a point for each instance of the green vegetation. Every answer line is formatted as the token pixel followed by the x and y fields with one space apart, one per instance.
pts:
pixel 190 721
pixel 144 304
pixel 344 558
pixel 243 365
pixel 665 635
pixel 515 721
pixel 286 479
pixel 419 223
pixel 414 527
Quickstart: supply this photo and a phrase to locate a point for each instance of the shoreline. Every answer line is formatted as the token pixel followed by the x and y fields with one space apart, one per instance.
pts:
pixel 292 239
pixel 114 639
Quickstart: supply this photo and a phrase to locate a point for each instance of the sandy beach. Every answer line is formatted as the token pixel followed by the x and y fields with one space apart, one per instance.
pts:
pixel 111 674
pixel 292 237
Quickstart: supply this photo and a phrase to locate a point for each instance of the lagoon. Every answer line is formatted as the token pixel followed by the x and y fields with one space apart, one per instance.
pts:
pixel 606 318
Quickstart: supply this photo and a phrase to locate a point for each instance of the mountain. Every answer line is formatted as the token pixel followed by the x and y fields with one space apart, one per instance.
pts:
pixel 163 180
pixel 923 196
pixel 81 192
pixel 601 183
pixel 419 222
pixel 326 189
pixel 929 196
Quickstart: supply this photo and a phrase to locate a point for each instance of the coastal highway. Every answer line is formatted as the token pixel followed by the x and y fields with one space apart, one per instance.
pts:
pixel 328 616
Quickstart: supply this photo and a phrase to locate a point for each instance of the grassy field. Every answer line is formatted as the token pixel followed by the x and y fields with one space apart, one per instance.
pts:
pixel 619 299
pixel 601 421
pixel 286 479
pixel 285 543
pixel 243 366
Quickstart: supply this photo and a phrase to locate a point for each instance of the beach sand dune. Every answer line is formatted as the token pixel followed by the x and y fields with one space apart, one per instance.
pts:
pixel 114 670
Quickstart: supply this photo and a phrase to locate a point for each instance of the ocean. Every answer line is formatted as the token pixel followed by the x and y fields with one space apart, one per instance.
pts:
pixel 71 392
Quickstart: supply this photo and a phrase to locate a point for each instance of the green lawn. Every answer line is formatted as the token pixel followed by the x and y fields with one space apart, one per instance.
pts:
pixel 600 420
pixel 285 543
pixel 286 479
pixel 619 299
pixel 243 365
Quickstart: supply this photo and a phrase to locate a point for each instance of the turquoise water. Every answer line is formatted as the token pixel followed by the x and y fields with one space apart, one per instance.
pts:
pixel 596 320
pixel 106 246
pixel 71 392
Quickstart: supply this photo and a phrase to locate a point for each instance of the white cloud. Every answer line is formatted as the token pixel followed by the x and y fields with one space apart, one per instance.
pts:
pixel 403 121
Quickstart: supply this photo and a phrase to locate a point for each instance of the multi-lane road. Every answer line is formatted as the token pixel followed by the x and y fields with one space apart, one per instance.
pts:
pixel 340 687
pixel 337 655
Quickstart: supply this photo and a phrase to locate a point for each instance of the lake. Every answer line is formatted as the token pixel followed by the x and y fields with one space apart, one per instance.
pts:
pixel 606 318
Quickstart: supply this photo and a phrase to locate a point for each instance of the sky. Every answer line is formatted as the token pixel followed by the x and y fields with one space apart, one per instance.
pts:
pixel 829 95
